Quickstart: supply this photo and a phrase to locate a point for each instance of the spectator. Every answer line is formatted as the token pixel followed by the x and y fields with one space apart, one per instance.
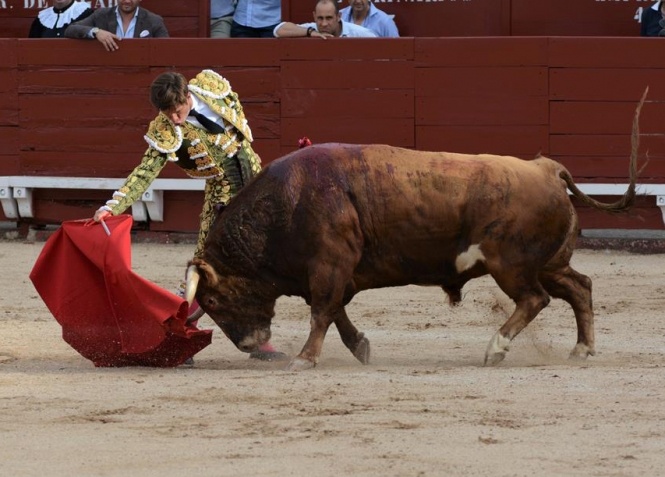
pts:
pixel 112 24
pixel 256 18
pixel 653 23
pixel 221 18
pixel 201 127
pixel 365 13
pixel 52 22
pixel 327 24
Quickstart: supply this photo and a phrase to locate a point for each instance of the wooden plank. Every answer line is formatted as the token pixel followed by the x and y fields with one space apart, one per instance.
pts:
pixel 264 119
pixel 267 149
pixel 80 164
pixel 181 212
pixel 253 84
pixel 646 217
pixel 482 81
pixel 521 141
pixel 606 84
pixel 173 8
pixel 584 117
pixel 610 168
pixel 180 27
pixel 347 103
pixel 9 164
pixel 394 131
pixel 95 110
pixel 574 17
pixel 8 84
pixel 8 56
pixel 81 80
pixel 605 144
pixel 217 54
pixel 356 74
pixel 15 27
pixel 348 49
pixel 77 139
pixel 132 52
pixel 9 141
pixel 509 51
pixel 481 111
pixel 52 206
pixel 9 109
pixel 594 52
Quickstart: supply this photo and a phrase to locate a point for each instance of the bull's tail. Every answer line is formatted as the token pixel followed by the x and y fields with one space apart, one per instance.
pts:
pixel 626 201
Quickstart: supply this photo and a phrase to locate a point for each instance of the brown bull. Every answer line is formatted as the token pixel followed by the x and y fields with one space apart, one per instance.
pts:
pixel 329 221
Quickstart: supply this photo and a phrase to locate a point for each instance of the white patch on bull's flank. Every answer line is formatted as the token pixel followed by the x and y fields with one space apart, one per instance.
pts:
pixel 468 259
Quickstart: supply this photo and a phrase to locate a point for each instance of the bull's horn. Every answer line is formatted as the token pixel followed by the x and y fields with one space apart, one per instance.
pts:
pixel 192 283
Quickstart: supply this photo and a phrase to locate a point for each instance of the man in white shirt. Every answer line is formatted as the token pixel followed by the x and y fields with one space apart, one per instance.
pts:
pixel 327 24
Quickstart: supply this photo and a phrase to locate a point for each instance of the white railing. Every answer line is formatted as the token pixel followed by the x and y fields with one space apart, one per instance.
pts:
pixel 16 192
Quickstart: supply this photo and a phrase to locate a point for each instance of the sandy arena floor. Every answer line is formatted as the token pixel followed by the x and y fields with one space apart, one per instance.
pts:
pixel 425 406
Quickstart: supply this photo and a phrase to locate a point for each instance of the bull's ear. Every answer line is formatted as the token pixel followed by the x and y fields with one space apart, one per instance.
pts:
pixel 211 275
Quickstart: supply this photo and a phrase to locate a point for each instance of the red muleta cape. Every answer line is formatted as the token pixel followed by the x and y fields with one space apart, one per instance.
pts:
pixel 108 313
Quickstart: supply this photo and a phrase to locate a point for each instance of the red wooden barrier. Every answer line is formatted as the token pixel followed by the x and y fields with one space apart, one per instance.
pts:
pixel 84 113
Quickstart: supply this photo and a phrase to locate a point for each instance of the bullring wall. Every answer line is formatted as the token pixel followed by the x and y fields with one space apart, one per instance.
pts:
pixel 83 112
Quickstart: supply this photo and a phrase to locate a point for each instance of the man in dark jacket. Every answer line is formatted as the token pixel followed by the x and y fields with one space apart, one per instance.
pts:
pixel 112 24
pixel 653 23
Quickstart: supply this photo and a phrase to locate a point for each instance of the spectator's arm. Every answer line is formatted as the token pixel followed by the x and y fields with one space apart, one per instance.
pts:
pixel 391 30
pixel 291 30
pixel 161 31
pixel 81 28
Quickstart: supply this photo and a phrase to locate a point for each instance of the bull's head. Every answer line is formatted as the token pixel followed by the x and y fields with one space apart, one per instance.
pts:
pixel 234 304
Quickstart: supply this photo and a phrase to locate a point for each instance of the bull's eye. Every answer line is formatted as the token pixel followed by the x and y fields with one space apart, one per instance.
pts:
pixel 211 302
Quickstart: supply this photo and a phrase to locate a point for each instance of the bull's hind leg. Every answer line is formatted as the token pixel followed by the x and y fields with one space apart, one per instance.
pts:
pixel 352 338
pixel 575 288
pixel 529 298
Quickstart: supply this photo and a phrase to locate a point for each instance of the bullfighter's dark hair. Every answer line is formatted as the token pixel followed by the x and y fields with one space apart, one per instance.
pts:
pixel 168 90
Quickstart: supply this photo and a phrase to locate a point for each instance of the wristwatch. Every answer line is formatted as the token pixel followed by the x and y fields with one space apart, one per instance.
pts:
pixel 310 30
pixel 94 31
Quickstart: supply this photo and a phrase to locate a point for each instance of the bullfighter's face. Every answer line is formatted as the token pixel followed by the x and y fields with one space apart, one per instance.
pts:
pixel 243 316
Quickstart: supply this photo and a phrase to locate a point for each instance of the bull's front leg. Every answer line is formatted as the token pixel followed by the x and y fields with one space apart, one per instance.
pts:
pixel 309 356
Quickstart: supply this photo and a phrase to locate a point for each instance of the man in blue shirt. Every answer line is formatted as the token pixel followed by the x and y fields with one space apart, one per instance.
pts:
pixel 364 13
pixel 256 18
pixel 327 24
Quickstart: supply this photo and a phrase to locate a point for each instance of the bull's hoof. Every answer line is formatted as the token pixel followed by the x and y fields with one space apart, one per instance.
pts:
pixel 300 364
pixel 495 358
pixel 362 350
pixel 268 355
pixel 496 349
pixel 581 352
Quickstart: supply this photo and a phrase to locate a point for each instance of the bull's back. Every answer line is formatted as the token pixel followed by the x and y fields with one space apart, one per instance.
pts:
pixel 418 211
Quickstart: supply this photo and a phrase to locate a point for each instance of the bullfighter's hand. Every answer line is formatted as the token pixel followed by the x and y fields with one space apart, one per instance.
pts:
pixel 108 39
pixel 101 215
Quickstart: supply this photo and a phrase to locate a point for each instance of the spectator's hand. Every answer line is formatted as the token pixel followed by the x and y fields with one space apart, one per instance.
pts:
pixel 324 36
pixel 108 39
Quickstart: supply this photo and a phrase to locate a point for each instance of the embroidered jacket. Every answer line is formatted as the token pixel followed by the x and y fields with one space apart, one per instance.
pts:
pixel 226 159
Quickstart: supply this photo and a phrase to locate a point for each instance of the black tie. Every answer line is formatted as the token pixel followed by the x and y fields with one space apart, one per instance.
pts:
pixel 211 126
